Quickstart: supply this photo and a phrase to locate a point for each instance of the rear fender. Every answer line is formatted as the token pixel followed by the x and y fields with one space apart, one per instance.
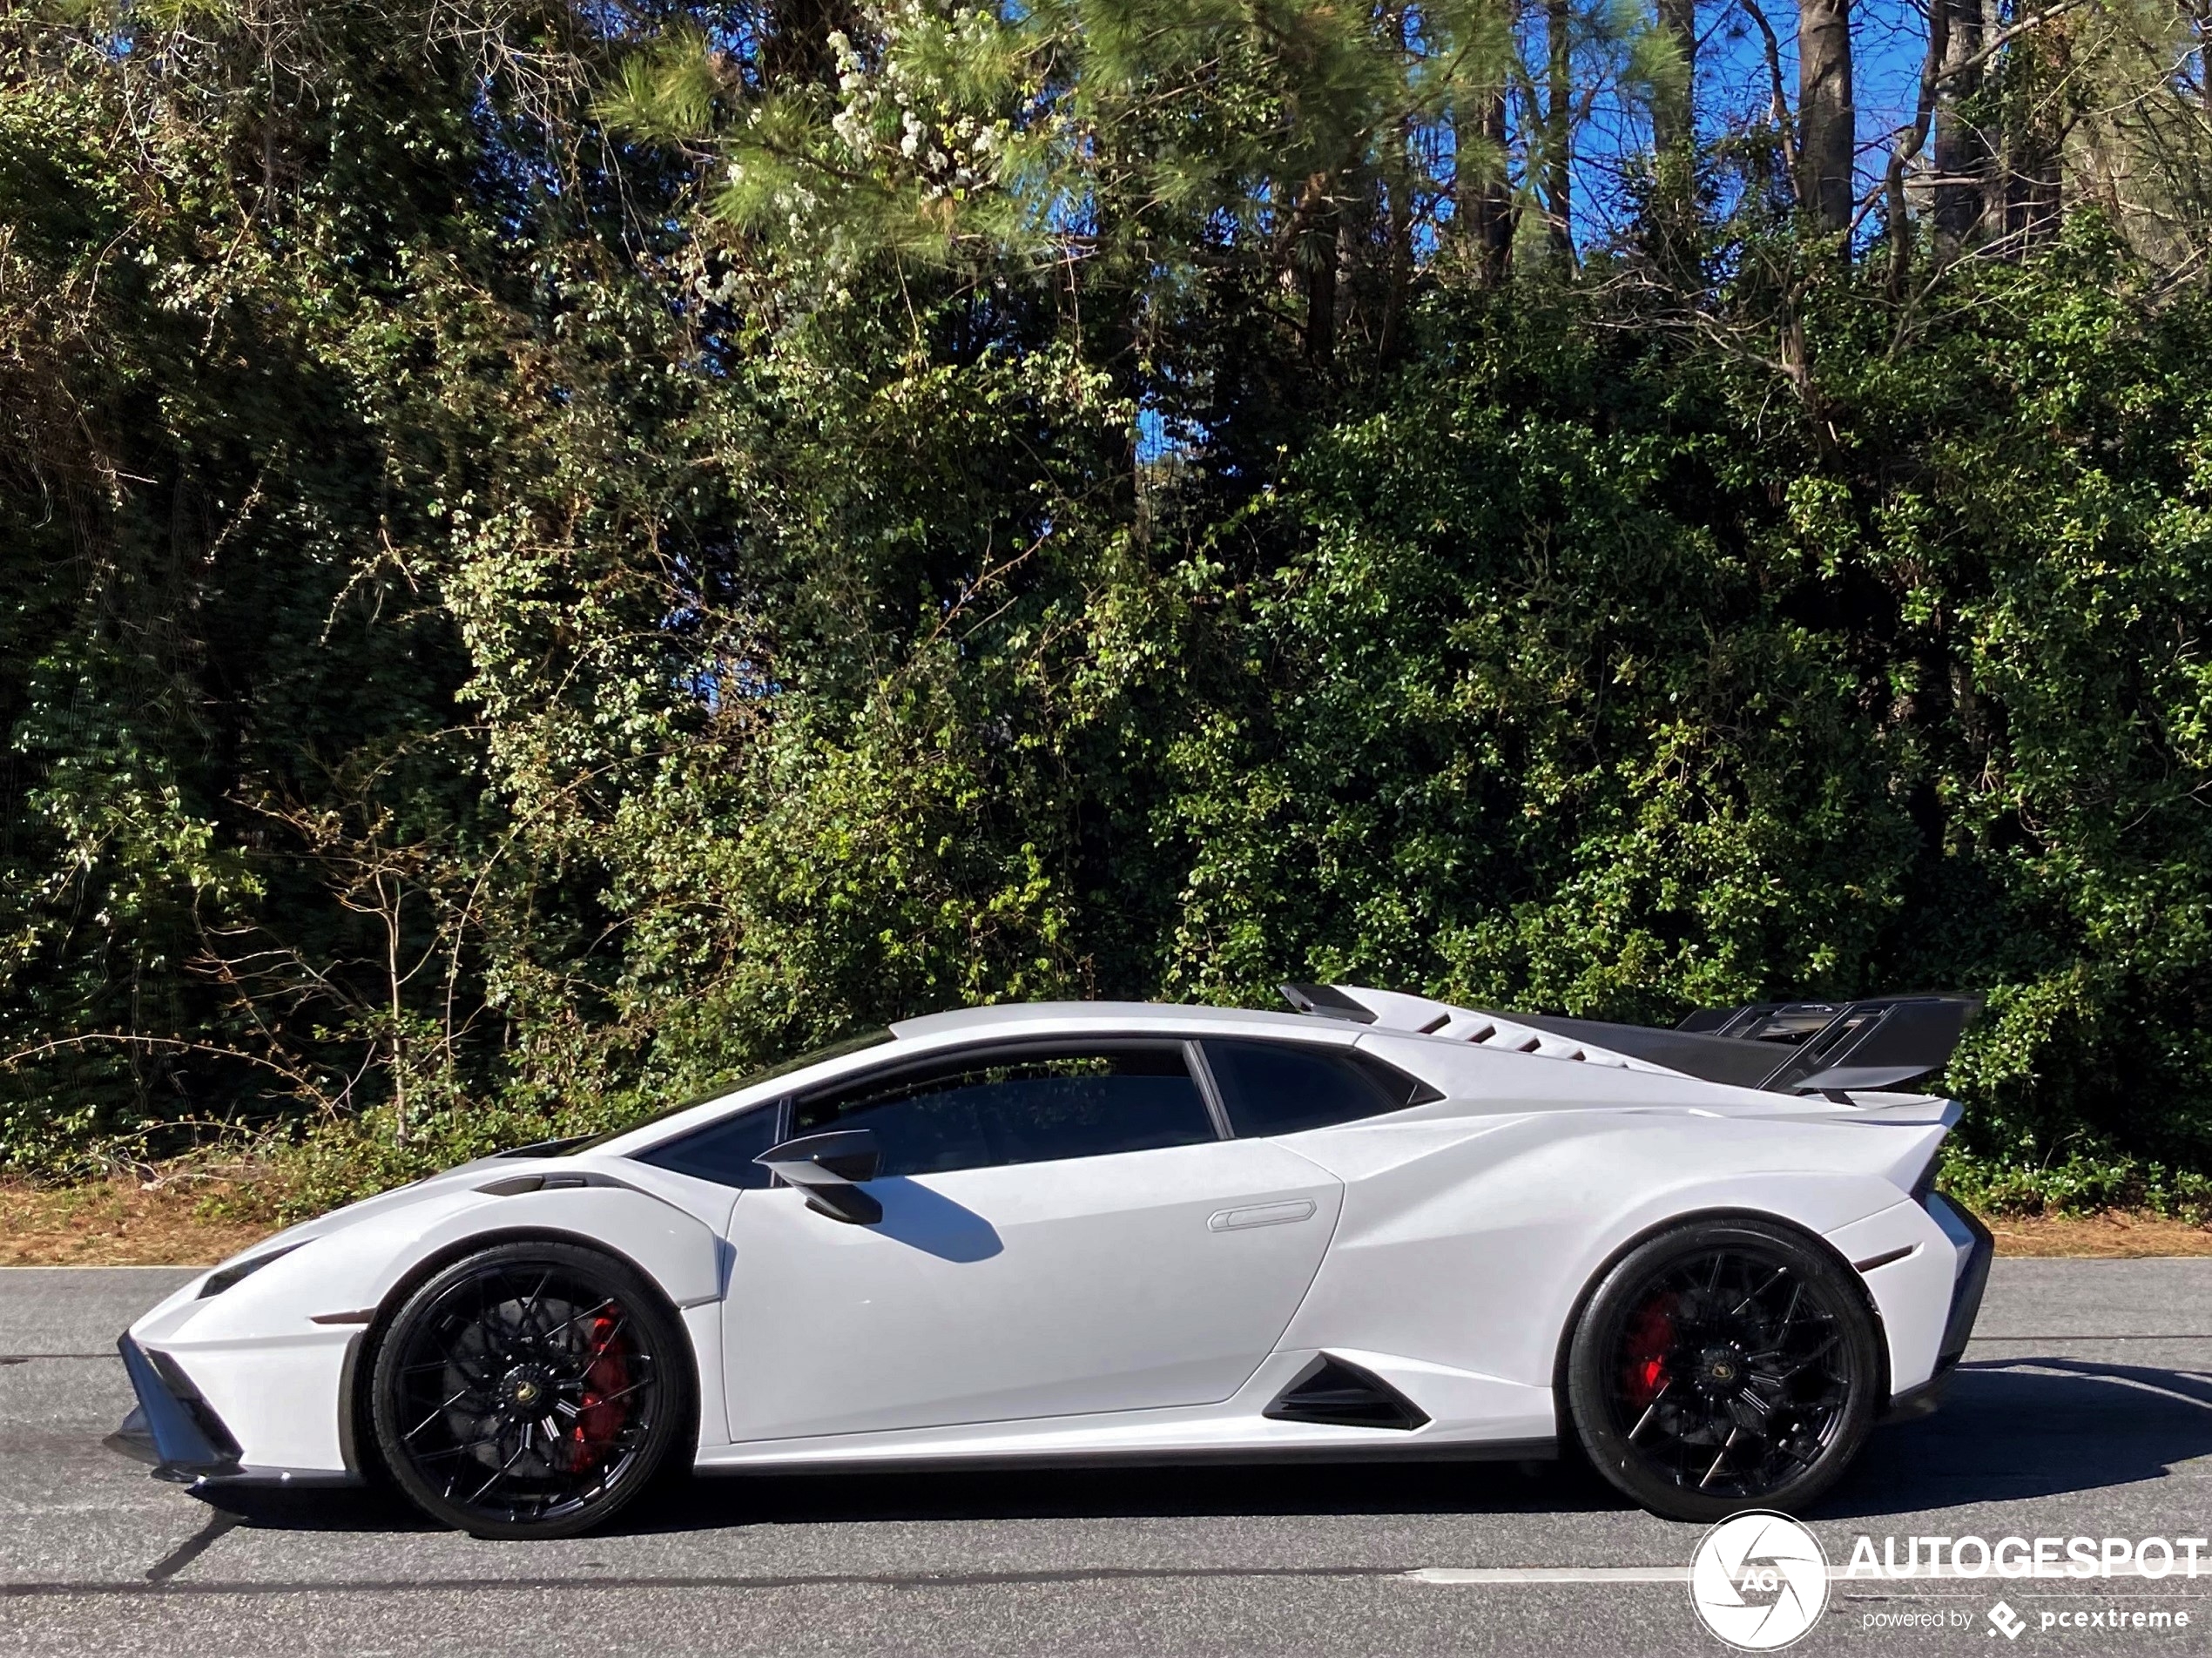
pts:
pixel 1474 1250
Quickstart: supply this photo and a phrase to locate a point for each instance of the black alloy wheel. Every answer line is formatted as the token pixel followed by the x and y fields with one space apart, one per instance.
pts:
pixel 1723 1366
pixel 529 1391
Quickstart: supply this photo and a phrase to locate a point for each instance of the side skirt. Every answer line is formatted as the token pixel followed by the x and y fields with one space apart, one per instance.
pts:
pixel 1395 1448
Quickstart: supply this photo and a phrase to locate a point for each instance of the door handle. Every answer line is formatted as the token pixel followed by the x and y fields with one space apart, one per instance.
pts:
pixel 1235 1220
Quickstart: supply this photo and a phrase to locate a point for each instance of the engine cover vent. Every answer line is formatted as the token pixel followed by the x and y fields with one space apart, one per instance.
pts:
pixel 1332 1391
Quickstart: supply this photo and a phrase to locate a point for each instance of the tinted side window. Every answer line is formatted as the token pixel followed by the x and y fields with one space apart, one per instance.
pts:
pixel 723 1151
pixel 980 1111
pixel 1272 1088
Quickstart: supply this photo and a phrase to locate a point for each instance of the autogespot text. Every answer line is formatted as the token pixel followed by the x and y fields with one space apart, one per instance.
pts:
pixel 2028 1557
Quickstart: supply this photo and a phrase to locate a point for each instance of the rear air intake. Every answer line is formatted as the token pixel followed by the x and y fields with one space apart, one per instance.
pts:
pixel 1331 1391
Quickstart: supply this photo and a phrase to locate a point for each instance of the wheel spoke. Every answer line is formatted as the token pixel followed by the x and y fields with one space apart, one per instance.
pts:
pixel 435 1414
pixel 1797 1454
pixel 500 1473
pixel 1811 1359
pixel 599 1352
pixel 589 1313
pixel 456 1449
pixel 1780 1273
pixel 529 1302
pixel 1644 1421
pixel 1713 1473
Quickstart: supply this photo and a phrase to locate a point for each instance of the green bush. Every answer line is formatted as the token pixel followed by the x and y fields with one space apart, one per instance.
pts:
pixel 527 630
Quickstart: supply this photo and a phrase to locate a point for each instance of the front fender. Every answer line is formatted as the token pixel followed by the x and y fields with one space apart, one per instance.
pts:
pixel 269 1355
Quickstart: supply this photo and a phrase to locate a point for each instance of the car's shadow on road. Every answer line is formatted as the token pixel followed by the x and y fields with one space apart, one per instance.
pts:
pixel 2030 1426
pixel 717 1503
pixel 2012 1428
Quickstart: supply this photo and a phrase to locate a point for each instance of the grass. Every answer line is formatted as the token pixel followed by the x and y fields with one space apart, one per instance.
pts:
pixel 185 1220
pixel 2116 1234
pixel 126 1222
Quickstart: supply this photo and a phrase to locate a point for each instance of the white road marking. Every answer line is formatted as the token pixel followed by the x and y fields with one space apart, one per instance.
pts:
pixel 1481 1574
pixel 1461 1575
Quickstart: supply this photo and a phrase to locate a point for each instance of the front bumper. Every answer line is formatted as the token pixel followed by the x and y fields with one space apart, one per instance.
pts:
pixel 171 1427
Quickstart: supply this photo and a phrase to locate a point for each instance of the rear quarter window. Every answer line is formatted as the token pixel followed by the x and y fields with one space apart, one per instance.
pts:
pixel 1280 1087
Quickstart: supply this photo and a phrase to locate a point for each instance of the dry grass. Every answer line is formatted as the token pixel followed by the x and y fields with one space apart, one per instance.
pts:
pixel 196 1222
pixel 123 1223
pixel 2112 1236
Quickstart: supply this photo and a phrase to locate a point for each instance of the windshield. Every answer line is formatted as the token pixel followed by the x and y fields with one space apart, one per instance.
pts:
pixel 783 1068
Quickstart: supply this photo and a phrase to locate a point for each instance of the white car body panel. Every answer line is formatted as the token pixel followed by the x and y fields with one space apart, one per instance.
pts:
pixel 1144 1305
pixel 1486 1417
pixel 1031 1289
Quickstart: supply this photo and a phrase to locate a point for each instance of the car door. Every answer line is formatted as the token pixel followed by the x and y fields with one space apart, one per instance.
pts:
pixel 1064 1231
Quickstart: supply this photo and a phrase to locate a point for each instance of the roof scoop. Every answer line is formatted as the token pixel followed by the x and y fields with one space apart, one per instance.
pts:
pixel 1326 1001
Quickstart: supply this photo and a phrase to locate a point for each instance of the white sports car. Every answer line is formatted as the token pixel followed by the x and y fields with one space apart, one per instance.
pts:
pixel 1379 1226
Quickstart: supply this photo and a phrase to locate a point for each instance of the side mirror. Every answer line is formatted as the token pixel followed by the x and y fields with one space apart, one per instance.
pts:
pixel 829 1168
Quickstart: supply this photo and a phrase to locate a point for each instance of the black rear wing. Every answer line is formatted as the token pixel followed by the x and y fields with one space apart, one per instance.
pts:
pixel 1783 1046
pixel 1795 1046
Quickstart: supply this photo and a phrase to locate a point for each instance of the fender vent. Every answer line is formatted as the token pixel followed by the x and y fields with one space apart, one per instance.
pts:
pixel 1330 1391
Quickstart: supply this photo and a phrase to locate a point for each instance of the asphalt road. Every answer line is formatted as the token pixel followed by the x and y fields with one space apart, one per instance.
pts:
pixel 2084 1408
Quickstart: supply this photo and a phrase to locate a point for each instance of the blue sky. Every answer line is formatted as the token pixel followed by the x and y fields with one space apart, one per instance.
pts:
pixel 1889 40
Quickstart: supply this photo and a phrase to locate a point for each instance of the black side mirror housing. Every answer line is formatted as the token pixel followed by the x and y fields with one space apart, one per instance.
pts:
pixel 830 1167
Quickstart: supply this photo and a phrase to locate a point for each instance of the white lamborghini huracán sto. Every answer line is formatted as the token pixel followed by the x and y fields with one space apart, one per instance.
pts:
pixel 1378 1226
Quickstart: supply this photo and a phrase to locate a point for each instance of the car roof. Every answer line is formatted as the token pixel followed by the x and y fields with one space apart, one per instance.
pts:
pixel 1076 1017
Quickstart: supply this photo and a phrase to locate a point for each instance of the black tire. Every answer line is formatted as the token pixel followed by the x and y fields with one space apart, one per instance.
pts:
pixel 531 1389
pixel 1724 1365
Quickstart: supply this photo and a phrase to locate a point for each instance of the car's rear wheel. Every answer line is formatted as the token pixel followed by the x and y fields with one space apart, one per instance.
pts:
pixel 1724 1365
pixel 531 1389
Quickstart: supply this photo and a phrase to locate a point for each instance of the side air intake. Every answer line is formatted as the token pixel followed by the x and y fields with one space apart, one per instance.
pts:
pixel 1342 1395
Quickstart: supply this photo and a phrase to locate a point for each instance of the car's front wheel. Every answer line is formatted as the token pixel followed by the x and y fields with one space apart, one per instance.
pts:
pixel 1724 1365
pixel 529 1390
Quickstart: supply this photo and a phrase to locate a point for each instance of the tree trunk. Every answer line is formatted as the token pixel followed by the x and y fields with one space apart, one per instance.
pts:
pixel 2033 144
pixel 1320 258
pixel 1490 208
pixel 1671 223
pixel 1961 156
pixel 1674 110
pixel 1398 274
pixel 1559 124
pixel 1826 117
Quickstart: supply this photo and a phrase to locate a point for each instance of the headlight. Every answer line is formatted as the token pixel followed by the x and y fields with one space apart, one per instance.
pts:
pixel 219 1282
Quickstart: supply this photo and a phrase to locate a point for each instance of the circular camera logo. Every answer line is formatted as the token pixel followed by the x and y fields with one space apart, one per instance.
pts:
pixel 1759 1580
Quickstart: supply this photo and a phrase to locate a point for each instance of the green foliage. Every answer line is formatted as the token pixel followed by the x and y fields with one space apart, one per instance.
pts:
pixel 1595 684
pixel 1126 134
pixel 2077 1185
pixel 562 562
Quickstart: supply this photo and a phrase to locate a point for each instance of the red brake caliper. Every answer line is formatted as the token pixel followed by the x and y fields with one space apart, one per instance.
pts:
pixel 604 1405
pixel 1651 1332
